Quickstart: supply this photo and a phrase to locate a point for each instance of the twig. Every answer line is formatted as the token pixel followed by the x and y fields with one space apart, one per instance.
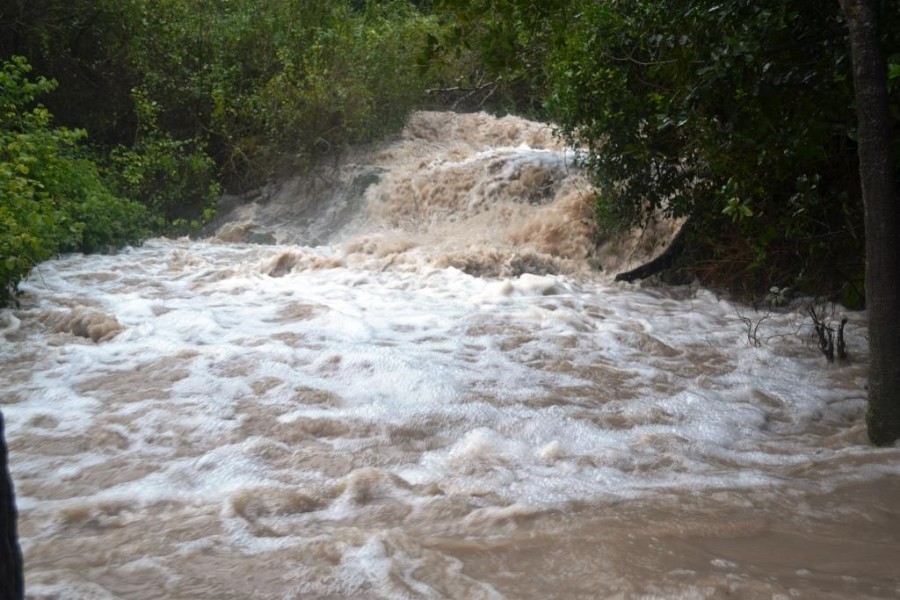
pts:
pixel 841 346
pixel 825 336
pixel 752 328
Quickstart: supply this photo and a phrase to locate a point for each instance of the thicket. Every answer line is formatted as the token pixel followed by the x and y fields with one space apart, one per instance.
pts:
pixel 738 114
pixel 258 86
pixel 52 197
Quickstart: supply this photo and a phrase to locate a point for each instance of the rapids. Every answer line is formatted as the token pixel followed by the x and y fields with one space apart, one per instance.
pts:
pixel 405 376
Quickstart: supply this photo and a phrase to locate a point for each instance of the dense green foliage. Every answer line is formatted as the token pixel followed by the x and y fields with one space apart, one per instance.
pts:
pixel 52 198
pixel 499 50
pixel 739 114
pixel 174 179
pixel 258 86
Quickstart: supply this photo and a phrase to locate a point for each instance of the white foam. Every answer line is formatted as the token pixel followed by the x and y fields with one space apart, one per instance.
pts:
pixel 395 353
pixel 511 393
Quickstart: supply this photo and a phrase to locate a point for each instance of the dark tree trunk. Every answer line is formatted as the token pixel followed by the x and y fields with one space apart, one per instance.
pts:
pixel 882 222
pixel 12 584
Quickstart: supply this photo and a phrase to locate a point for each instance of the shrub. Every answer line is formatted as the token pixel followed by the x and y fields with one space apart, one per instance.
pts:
pixel 175 179
pixel 52 198
pixel 738 114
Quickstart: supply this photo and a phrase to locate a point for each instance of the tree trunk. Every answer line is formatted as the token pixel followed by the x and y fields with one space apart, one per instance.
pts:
pixel 882 221
pixel 12 584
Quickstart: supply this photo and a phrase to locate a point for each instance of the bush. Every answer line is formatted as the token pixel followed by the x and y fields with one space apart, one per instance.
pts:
pixel 739 114
pixel 260 87
pixel 354 80
pixel 52 198
pixel 175 179
pixel 275 86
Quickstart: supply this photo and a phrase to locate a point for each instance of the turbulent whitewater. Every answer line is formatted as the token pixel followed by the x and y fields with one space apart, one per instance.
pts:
pixel 410 375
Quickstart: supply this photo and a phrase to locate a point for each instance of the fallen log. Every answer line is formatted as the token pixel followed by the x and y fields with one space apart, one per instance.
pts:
pixel 661 262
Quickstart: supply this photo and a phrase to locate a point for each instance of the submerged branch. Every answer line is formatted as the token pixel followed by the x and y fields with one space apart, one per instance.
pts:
pixel 661 262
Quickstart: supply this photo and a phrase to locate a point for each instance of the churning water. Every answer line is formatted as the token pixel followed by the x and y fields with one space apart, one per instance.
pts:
pixel 421 386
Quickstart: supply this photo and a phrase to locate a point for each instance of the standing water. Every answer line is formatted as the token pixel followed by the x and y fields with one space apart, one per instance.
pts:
pixel 419 387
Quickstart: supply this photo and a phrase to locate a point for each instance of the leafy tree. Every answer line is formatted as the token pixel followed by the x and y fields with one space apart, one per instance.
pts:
pixel 84 46
pixel 260 87
pixel 497 50
pixel 737 114
pixel 175 179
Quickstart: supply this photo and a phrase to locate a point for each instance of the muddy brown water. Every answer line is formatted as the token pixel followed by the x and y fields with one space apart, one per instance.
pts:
pixel 423 387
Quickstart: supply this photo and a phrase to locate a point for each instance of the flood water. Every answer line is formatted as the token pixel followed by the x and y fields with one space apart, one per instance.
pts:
pixel 421 386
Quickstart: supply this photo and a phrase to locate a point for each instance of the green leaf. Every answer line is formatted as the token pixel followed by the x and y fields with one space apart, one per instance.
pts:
pixel 894 71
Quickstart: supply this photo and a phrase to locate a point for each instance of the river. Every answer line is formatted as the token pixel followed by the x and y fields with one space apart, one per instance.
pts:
pixel 405 376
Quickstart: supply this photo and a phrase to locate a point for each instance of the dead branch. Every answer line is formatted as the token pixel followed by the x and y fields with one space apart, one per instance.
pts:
pixel 751 328
pixel 825 336
pixel 841 346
